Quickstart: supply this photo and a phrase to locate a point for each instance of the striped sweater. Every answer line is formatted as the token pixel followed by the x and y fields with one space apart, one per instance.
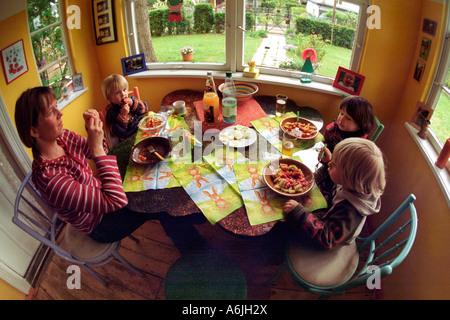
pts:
pixel 68 185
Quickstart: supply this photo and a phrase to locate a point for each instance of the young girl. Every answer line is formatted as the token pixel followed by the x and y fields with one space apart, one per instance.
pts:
pixel 358 172
pixel 123 113
pixel 96 205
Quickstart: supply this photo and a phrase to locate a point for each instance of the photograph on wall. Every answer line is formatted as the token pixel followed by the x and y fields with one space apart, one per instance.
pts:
pixel 424 50
pixel 348 81
pixel 103 12
pixel 14 61
pixel 429 26
pixel 133 64
pixel 421 114
pixel 418 72
pixel 77 80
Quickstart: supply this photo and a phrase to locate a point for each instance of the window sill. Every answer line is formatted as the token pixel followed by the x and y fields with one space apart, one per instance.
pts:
pixel 238 76
pixel 65 102
pixel 442 175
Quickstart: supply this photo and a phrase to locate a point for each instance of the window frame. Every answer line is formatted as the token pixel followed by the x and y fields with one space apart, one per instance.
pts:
pixel 234 44
pixel 65 38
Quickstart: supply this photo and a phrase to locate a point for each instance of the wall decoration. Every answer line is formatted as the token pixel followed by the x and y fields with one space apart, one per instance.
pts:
pixel 133 64
pixel 348 81
pixel 14 61
pixel 421 116
pixel 429 26
pixel 424 50
pixel 418 72
pixel 77 80
pixel 105 29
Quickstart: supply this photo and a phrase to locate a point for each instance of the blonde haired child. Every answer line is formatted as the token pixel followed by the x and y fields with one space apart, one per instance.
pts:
pixel 358 171
pixel 123 113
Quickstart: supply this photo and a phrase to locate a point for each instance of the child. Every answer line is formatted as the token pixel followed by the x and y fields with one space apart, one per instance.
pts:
pixel 123 113
pixel 358 172
pixel 355 119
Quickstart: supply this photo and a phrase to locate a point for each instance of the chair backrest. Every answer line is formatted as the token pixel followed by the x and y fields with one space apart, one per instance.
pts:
pixel 384 256
pixel 135 92
pixel 36 218
pixel 379 128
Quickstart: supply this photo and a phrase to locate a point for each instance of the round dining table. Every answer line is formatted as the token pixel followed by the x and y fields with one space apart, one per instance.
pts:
pixel 175 201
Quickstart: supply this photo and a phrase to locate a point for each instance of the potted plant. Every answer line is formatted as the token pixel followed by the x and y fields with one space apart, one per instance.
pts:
pixel 187 53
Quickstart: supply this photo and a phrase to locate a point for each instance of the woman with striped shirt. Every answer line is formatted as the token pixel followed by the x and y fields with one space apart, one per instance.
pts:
pixel 96 205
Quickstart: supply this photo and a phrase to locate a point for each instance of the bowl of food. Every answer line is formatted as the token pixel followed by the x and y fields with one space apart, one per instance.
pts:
pixel 244 90
pixel 288 177
pixel 142 154
pixel 152 123
pixel 302 129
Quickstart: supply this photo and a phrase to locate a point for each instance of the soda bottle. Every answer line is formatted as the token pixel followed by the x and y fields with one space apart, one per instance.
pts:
pixel 210 101
pixel 229 102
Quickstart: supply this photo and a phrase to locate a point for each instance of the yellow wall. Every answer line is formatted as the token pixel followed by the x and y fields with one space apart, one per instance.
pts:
pixel 388 62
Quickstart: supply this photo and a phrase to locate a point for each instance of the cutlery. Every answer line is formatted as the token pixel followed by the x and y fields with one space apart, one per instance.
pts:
pixel 152 150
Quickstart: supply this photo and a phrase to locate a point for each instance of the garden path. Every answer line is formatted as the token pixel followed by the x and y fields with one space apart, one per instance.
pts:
pixel 271 51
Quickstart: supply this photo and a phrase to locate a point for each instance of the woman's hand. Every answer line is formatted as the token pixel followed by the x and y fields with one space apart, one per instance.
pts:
pixel 94 127
pixel 89 114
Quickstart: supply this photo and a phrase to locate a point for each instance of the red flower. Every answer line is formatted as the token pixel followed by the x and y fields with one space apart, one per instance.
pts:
pixel 309 53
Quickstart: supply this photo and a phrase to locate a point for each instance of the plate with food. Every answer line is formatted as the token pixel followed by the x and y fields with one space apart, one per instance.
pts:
pixel 152 123
pixel 288 177
pixel 146 151
pixel 238 136
pixel 302 129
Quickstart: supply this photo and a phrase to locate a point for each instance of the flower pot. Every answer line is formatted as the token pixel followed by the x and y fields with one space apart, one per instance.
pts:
pixel 188 57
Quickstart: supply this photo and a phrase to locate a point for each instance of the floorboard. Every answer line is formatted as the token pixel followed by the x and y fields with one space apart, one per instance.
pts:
pixel 159 247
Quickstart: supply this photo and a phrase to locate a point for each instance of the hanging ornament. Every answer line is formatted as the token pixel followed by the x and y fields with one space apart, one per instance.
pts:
pixel 175 10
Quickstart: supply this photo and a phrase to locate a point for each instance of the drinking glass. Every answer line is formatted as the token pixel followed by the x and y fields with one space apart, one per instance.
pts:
pixel 288 144
pixel 281 105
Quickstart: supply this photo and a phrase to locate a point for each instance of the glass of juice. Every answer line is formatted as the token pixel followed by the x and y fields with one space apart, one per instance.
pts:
pixel 281 105
pixel 211 108
pixel 288 144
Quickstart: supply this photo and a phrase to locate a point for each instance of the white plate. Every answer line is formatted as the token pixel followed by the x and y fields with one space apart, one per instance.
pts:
pixel 244 142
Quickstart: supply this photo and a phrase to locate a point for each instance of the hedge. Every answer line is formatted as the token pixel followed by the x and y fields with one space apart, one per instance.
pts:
pixel 342 37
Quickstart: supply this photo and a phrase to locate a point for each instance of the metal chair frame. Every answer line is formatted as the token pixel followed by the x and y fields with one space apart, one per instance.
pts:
pixel 45 225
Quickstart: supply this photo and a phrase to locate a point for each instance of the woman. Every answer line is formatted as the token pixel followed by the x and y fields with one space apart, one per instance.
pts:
pixel 96 205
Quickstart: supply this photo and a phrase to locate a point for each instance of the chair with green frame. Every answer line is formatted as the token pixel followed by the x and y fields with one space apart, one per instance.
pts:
pixel 381 255
pixel 378 129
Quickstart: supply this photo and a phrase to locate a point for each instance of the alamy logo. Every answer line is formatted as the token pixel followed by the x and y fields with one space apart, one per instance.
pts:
pixel 73 281
pixel 73 17
pixel 374 18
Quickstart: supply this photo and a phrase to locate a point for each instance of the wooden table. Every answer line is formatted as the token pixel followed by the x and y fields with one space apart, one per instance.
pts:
pixel 175 201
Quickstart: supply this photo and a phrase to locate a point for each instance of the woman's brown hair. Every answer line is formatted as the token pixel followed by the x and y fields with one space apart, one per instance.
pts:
pixel 30 103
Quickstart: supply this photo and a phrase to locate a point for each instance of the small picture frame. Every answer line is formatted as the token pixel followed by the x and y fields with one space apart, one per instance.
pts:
pixel 133 64
pixel 424 50
pixel 77 80
pixel 14 61
pixel 349 81
pixel 104 25
pixel 421 114
pixel 418 71
pixel 429 26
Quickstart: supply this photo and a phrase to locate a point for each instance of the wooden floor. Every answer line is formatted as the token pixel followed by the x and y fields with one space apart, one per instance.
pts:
pixel 156 252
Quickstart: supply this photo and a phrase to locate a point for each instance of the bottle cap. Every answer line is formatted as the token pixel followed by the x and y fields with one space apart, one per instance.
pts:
pixel 228 74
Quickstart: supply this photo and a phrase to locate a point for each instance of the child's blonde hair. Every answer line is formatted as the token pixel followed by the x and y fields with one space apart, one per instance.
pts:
pixel 113 83
pixel 362 165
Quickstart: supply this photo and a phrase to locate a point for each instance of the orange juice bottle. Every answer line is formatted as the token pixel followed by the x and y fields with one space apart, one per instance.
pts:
pixel 210 102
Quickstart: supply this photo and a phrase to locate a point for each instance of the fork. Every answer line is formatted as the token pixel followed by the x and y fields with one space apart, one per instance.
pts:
pixel 152 150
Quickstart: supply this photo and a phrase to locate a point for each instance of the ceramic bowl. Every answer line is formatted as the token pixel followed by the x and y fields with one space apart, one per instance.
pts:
pixel 244 90
pixel 301 120
pixel 141 155
pixel 272 166
pixel 143 124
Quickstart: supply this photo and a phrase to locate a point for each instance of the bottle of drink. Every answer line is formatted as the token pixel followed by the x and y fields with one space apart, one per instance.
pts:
pixel 229 101
pixel 210 101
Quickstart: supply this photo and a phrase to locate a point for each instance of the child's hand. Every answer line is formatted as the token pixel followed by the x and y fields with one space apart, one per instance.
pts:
pixel 289 205
pixel 326 155
pixel 127 101
pixel 125 110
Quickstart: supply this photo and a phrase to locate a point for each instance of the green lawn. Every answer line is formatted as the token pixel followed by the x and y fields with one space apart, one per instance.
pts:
pixel 440 119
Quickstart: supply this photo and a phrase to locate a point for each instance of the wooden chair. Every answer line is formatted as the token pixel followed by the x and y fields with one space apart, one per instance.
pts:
pixel 385 249
pixel 36 218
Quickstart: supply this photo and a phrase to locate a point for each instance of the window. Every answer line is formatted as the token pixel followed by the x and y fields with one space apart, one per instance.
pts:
pixel 226 36
pixel 48 40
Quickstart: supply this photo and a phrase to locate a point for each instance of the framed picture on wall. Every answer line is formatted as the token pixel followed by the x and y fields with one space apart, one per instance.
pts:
pixel 421 114
pixel 418 72
pixel 133 64
pixel 348 81
pixel 14 61
pixel 429 26
pixel 77 80
pixel 104 25
pixel 424 50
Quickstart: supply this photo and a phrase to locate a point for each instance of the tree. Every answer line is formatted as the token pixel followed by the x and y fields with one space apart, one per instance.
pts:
pixel 143 31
